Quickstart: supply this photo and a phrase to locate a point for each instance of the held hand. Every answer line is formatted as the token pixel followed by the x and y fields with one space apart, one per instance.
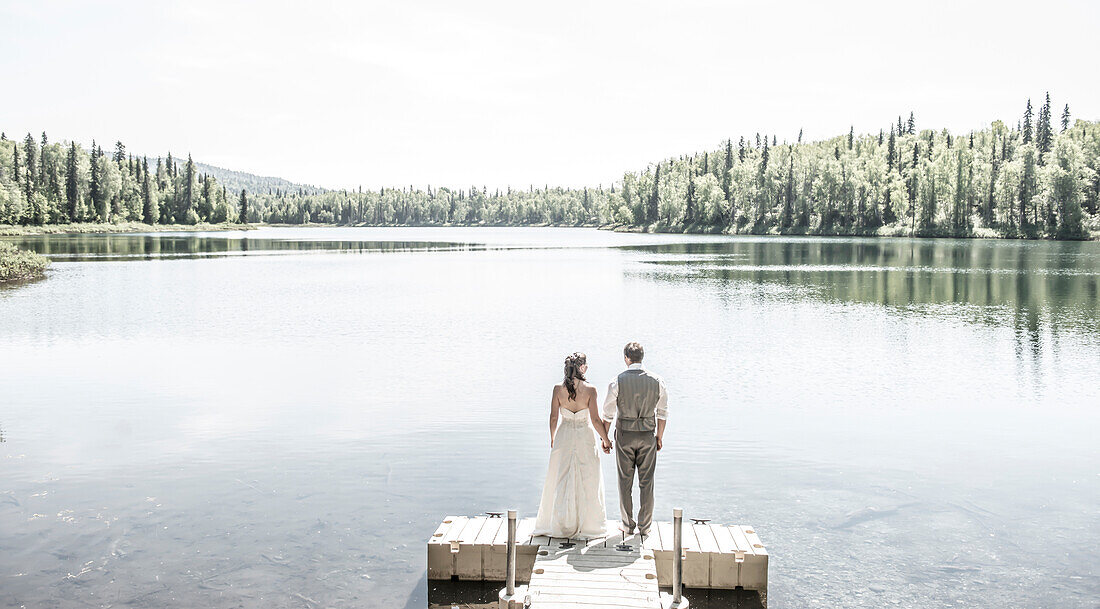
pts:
pixel 659 443
pixel 606 446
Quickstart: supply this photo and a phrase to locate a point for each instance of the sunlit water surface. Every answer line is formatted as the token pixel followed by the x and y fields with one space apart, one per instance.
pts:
pixel 280 418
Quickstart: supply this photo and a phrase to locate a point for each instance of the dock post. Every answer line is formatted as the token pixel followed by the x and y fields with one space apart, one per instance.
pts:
pixel 510 588
pixel 512 597
pixel 677 555
pixel 676 600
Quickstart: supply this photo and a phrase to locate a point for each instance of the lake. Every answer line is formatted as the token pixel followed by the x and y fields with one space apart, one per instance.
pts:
pixel 280 418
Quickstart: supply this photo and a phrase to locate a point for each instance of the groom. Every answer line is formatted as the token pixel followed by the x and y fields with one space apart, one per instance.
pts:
pixel 638 403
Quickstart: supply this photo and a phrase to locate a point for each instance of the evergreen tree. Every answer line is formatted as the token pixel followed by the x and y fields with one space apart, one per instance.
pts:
pixel 689 213
pixel 95 188
pixel 912 124
pixel 800 135
pixel 72 184
pixel 207 208
pixel 891 151
pixel 148 210
pixel 786 216
pixel 741 150
pixel 244 207
pixel 1027 123
pixel 851 137
pixel 728 168
pixel 189 179
pixel 651 210
pixel 1065 118
pixel 120 153
pixel 30 167
pixel 1045 133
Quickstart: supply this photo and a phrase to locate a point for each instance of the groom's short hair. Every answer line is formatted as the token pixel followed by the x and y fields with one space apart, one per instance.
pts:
pixel 634 352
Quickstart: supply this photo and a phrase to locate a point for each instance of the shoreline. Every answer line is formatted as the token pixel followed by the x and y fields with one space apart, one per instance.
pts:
pixel 81 228
pixel 9 230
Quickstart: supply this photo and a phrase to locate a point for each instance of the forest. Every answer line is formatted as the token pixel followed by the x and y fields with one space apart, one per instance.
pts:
pixel 1037 178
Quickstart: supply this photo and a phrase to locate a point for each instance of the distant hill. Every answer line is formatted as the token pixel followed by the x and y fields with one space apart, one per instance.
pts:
pixel 234 181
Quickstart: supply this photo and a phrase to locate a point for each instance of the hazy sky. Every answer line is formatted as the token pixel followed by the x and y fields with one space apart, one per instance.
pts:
pixel 495 93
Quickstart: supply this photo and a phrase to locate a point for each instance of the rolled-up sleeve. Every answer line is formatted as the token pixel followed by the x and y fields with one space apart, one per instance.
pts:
pixel 610 403
pixel 662 402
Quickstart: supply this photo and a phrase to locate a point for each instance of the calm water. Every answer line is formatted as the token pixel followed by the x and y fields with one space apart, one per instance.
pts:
pixel 281 418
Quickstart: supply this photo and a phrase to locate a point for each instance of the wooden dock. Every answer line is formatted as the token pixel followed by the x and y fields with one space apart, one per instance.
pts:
pixel 626 568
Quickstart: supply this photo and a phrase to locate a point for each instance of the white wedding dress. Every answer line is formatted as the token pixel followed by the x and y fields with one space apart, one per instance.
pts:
pixel 572 497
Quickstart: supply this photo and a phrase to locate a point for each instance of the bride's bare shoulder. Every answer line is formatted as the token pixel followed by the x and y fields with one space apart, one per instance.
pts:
pixel 585 386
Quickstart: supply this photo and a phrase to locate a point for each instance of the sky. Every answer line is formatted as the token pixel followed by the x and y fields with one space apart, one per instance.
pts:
pixel 486 93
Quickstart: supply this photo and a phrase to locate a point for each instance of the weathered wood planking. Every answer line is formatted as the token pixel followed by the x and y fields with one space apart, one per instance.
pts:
pixel 716 556
pixel 594 577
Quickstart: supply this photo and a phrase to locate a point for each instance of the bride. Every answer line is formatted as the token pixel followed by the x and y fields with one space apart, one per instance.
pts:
pixel 572 498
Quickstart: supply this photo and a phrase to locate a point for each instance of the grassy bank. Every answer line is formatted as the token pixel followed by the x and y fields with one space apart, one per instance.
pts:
pixel 883 231
pixel 10 230
pixel 17 264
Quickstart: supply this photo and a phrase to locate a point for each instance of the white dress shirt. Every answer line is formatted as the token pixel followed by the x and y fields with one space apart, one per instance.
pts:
pixel 610 406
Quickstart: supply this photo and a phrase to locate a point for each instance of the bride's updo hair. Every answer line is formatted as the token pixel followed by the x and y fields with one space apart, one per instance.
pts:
pixel 573 373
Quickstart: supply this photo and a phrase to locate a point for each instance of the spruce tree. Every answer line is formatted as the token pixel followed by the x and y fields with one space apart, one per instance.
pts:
pixel 120 153
pixel 1027 123
pixel 94 187
pixel 244 208
pixel 728 168
pixel 786 217
pixel 651 212
pixel 851 137
pixel 30 165
pixel 72 185
pixel 741 149
pixel 891 151
pixel 800 135
pixel 189 179
pixel 1065 118
pixel 148 211
pixel 689 213
pixel 1045 133
pixel 912 124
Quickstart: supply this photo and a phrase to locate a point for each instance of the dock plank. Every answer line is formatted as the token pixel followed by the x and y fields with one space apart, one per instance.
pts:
pixel 594 576
pixel 716 557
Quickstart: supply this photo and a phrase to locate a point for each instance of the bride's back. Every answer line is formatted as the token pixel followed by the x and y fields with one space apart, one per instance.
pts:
pixel 580 402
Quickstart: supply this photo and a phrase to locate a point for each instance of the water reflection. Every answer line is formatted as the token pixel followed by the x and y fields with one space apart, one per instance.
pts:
pixel 1034 288
pixel 180 246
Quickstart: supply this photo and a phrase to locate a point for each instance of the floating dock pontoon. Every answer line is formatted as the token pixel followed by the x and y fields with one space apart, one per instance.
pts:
pixel 619 570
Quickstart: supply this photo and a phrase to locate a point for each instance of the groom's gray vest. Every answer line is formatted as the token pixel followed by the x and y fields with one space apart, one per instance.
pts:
pixel 637 401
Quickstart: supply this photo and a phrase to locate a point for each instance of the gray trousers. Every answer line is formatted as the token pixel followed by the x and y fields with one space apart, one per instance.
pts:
pixel 636 451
